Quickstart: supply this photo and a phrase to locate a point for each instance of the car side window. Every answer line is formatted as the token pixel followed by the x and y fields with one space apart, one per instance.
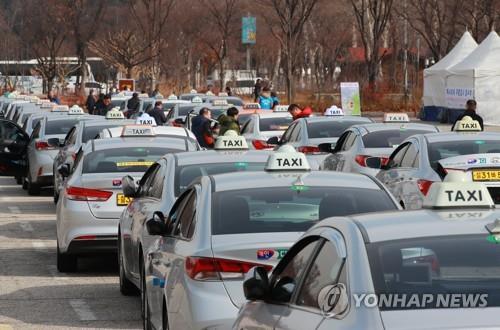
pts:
pixel 324 271
pixel 36 131
pixel 70 137
pixel 410 156
pixel 146 181
pixel 248 127
pixel 186 217
pixel 286 136
pixel 287 276
pixel 176 210
pixel 295 135
pixel 397 157
pixel 349 141
pixel 78 158
pixel 9 131
pixel 157 183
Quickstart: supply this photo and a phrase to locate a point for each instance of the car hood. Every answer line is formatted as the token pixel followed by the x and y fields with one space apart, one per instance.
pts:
pixel 453 318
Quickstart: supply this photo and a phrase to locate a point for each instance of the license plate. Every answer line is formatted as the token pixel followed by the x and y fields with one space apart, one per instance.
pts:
pixel 121 200
pixel 486 175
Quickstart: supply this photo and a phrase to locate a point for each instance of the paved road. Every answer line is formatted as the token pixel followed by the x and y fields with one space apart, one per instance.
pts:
pixel 33 294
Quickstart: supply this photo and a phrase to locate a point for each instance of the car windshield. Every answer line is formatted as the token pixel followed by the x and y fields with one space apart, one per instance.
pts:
pixel 184 110
pixel 184 175
pixel 442 150
pixel 329 128
pixel 274 124
pixel 122 160
pixel 289 209
pixel 437 266
pixel 54 127
pixel 118 103
pixel 389 138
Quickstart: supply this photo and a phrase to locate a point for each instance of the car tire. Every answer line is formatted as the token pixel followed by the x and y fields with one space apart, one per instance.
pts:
pixel 33 188
pixel 25 183
pixel 127 288
pixel 66 263
pixel 19 179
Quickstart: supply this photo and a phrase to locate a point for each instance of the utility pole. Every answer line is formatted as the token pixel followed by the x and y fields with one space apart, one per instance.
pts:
pixel 405 54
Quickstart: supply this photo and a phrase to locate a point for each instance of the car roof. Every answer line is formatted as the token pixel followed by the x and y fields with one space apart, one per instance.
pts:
pixel 377 127
pixel 222 156
pixel 119 142
pixel 236 181
pixel 316 119
pixel 395 225
pixel 454 136
pixel 105 122
pixel 159 130
pixel 270 114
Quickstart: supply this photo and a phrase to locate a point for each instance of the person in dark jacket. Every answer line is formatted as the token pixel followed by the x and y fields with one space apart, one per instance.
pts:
pixel 229 121
pixel 297 112
pixel 103 108
pixel 90 103
pixel 133 105
pixel 53 98
pixel 201 128
pixel 157 113
pixel 256 90
pixel 470 111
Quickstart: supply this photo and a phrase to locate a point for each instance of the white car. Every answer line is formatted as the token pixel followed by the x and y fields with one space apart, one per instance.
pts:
pixel 263 126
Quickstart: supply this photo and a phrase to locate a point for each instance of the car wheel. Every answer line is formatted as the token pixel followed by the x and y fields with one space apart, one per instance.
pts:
pixel 66 263
pixel 33 188
pixel 25 183
pixel 164 317
pixel 127 288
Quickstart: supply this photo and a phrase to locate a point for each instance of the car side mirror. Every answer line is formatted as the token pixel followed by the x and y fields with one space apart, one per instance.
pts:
pixel 156 226
pixel 327 147
pixel 256 284
pixel 128 186
pixel 273 140
pixel 283 290
pixel 179 121
pixel 54 143
pixel 373 162
pixel 333 300
pixel 64 170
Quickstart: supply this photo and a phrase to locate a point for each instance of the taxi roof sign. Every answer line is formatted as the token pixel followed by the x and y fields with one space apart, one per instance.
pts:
pixel 196 99
pixel 458 195
pixel 193 91
pixel 143 95
pixel 115 113
pixel 46 105
pixel 60 108
pixel 231 141
pixel 467 124
pixel 251 106
pixel 145 119
pixel 219 102
pixel 223 94
pixel 209 93
pixel 396 118
pixel 138 131
pixel 76 110
pixel 334 111
pixel 281 108
pixel 172 97
pixel 286 158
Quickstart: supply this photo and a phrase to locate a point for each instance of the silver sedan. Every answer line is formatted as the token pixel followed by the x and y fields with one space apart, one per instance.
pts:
pixel 361 148
pixel 426 158
pixel 263 126
pixel 423 270
pixel 91 202
pixel 223 225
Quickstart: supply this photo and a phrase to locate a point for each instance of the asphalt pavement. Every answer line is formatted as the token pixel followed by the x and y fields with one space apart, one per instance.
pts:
pixel 33 294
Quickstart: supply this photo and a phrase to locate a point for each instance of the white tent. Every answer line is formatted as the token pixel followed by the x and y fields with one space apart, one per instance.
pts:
pixel 435 76
pixel 478 77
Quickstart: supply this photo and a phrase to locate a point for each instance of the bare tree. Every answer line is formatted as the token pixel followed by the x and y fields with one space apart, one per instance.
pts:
pixel 480 16
pixel 151 17
pixel 287 25
pixel 222 15
pixel 84 17
pixel 371 18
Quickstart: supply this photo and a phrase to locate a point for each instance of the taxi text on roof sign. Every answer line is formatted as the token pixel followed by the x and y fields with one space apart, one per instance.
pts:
pixel 454 192
pixel 197 99
pixel 172 97
pixel 467 124
pixel 219 102
pixel 137 130
pixel 145 119
pixel 281 108
pixel 46 105
pixel 396 118
pixel 231 141
pixel 76 110
pixel 287 159
pixel 251 106
pixel 60 108
pixel 223 94
pixel 334 111
pixel 115 113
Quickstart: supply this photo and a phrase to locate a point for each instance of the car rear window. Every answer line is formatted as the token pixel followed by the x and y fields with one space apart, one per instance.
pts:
pixel 274 124
pixel 328 129
pixel 185 175
pixel 389 138
pixel 122 160
pixel 184 110
pixel 91 132
pixel 438 266
pixel 284 209
pixel 54 127
pixel 442 150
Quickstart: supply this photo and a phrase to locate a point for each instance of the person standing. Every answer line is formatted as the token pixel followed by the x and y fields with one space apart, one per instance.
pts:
pixel 257 89
pixel 229 92
pixel 133 105
pixel 276 100
pixel 103 108
pixel 229 121
pixel 297 112
pixel 470 111
pixel 90 103
pixel 157 113
pixel 53 98
pixel 202 130
pixel 265 99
